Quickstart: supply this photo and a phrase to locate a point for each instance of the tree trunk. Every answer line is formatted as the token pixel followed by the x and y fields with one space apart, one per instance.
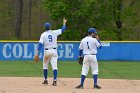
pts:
pixel 30 18
pixel 117 14
pixel 132 3
pixel 19 14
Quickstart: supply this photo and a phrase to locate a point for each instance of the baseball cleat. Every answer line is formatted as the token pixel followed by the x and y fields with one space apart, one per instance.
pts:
pixel 45 82
pixel 79 87
pixel 97 87
pixel 54 83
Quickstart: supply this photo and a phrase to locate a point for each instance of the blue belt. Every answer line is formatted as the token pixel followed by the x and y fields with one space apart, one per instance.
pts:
pixel 49 48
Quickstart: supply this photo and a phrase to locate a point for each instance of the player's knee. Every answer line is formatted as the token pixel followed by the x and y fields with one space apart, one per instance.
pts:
pixel 55 68
pixel 95 72
pixel 45 66
pixel 84 73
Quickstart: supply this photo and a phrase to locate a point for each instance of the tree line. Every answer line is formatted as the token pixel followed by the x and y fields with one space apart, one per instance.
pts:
pixel 113 19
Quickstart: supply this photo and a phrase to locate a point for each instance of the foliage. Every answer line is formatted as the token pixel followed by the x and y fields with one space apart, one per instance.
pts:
pixel 114 19
pixel 6 22
pixel 131 19
pixel 81 15
pixel 105 15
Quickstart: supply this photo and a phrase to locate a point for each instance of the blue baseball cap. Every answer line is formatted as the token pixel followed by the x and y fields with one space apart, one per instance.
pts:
pixel 92 30
pixel 47 25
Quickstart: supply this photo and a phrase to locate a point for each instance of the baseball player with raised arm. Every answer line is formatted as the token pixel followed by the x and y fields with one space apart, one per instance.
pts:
pixel 48 39
pixel 89 46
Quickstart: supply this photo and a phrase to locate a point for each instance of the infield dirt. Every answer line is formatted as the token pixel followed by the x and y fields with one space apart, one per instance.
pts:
pixel 66 85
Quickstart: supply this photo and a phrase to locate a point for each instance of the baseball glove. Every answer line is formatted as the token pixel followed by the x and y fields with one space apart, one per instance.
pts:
pixel 36 58
pixel 80 60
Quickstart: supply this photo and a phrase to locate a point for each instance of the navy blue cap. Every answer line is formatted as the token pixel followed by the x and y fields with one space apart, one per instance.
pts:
pixel 92 30
pixel 47 25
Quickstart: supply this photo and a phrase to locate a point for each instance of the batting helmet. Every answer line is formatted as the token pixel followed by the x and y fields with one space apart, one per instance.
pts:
pixel 90 30
pixel 47 25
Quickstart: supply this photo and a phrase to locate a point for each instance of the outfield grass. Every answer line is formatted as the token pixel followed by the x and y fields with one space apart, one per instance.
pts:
pixel 114 70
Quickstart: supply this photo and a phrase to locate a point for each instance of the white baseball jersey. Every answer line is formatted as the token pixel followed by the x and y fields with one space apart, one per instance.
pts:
pixel 49 38
pixel 89 45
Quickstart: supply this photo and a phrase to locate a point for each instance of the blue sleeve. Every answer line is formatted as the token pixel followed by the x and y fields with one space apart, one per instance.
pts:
pixel 99 41
pixel 100 47
pixel 39 46
pixel 100 44
pixel 63 28
pixel 80 52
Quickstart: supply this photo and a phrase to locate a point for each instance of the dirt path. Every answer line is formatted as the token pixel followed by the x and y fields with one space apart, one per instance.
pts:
pixel 66 85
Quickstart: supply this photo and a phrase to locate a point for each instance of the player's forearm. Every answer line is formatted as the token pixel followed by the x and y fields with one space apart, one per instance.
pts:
pixel 39 46
pixel 63 28
pixel 64 24
pixel 100 44
pixel 99 41
pixel 80 52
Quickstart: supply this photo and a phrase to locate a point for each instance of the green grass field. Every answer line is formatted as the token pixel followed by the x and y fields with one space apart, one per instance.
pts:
pixel 114 70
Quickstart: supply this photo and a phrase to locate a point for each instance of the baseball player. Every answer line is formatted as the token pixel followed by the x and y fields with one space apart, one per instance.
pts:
pixel 48 39
pixel 88 47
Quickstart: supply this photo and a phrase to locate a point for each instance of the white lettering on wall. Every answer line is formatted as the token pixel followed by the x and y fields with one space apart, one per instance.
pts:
pixel 23 51
pixel 68 49
pixel 6 47
pixel 27 53
pixel 17 47
pixel 106 44
pixel 61 50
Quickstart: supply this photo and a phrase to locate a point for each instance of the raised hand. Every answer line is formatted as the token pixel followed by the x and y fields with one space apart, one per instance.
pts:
pixel 64 21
